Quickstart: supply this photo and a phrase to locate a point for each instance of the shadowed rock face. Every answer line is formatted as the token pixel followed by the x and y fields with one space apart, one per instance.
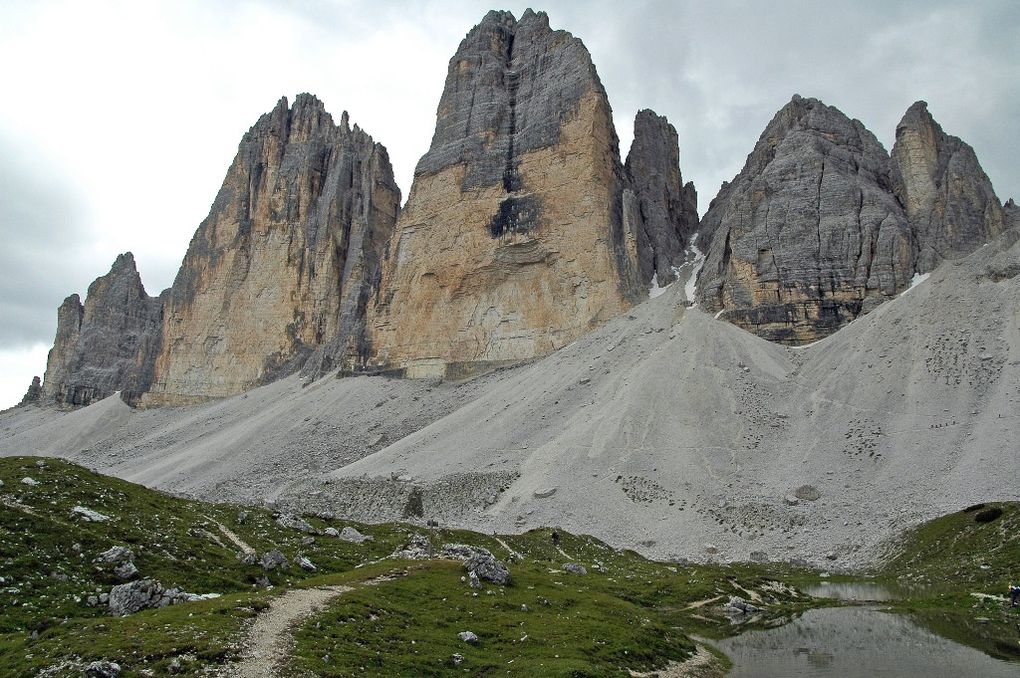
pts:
pixel 519 233
pixel 283 266
pixel 108 344
pixel 668 208
pixel 949 200
pixel 1012 213
pixel 808 235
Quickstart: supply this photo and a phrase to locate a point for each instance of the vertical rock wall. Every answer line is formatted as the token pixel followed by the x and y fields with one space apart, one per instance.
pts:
pixel 668 208
pixel 284 264
pixel 949 200
pixel 109 343
pixel 515 238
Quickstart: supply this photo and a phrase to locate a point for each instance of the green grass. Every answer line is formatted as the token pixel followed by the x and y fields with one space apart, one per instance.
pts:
pixel 627 613
pixel 944 562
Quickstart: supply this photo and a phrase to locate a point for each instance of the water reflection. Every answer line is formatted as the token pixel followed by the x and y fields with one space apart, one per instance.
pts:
pixel 859 591
pixel 855 642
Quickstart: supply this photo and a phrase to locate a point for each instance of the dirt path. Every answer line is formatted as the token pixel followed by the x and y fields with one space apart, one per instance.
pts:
pixel 513 553
pixel 229 534
pixel 269 641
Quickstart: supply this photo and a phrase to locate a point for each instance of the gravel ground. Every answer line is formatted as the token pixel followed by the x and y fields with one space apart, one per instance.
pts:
pixel 666 431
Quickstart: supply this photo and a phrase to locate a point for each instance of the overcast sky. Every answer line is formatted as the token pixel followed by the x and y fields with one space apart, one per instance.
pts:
pixel 118 119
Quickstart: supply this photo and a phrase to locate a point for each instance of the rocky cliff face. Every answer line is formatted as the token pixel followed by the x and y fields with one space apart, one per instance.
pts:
pixel 282 268
pixel 1012 213
pixel 107 345
pixel 821 224
pixel 668 207
pixel 517 236
pixel 949 200
pixel 809 234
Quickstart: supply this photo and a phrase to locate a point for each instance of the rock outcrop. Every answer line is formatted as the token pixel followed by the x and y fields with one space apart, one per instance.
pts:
pixel 809 234
pixel 668 207
pixel 821 224
pixel 282 268
pixel 517 236
pixel 1012 213
pixel 109 343
pixel 34 393
pixel 949 200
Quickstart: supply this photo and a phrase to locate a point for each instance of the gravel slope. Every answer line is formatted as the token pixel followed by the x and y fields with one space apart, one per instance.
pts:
pixel 666 431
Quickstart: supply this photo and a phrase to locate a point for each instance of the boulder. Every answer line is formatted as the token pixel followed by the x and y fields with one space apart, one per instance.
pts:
pixel 485 565
pixel 115 555
pixel 807 493
pixel 468 637
pixel 574 568
pixel 352 535
pixel 418 548
pixel 292 522
pixel 102 669
pixel 273 559
pixel 125 571
pixel 305 564
pixel 88 515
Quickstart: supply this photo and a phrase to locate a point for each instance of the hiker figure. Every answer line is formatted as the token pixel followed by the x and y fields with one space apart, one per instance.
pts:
pixel 556 538
pixel 1014 595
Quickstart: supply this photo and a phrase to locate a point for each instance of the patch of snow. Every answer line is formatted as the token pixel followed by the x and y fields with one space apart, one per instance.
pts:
pixel 699 261
pixel 915 281
pixel 655 290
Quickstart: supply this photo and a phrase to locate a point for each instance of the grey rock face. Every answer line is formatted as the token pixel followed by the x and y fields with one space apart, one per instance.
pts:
pixel 1012 212
pixel 272 560
pixel 525 78
pixel 667 207
pixel 418 548
pixel 107 345
pixel 949 200
pixel 34 393
pixel 808 235
pixel 284 265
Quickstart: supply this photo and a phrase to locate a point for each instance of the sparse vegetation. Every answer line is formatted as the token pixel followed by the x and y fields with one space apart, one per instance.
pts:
pixel 627 613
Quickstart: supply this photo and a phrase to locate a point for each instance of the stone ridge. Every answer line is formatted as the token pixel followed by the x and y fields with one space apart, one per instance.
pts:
pixel 519 233
pixel 948 199
pixel 808 235
pixel 106 345
pixel 283 266
pixel 668 207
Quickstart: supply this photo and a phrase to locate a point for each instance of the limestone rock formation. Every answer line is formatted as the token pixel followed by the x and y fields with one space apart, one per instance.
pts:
pixel 808 235
pixel 1012 213
pixel 34 393
pixel 668 207
pixel 948 198
pixel 286 261
pixel 108 344
pixel 517 236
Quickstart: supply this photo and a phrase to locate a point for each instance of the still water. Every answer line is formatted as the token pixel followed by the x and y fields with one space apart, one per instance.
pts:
pixel 856 642
pixel 859 591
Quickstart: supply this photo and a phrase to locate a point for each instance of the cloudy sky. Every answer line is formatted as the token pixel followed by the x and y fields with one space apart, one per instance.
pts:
pixel 118 119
